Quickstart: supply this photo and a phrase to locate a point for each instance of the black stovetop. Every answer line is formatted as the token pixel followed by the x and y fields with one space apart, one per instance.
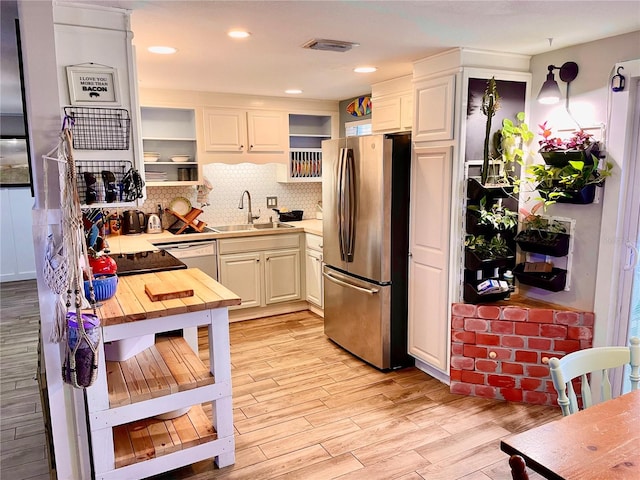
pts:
pixel 146 262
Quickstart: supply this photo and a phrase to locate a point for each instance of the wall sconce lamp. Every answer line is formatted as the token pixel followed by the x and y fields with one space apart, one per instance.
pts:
pixel 550 92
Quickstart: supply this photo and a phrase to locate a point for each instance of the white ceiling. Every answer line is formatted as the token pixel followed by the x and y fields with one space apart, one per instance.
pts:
pixel 392 34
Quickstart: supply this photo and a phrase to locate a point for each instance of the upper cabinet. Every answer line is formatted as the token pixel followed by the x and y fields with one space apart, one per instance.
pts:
pixel 169 144
pixel 241 132
pixel 392 105
pixel 435 102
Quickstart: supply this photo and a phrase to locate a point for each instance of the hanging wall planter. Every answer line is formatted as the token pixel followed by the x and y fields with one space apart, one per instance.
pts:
pixel 473 261
pixel 584 196
pixel 544 243
pixel 560 158
pixel 475 190
pixel 554 281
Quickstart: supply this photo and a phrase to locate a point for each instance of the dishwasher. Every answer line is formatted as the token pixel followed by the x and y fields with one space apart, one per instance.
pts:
pixel 202 255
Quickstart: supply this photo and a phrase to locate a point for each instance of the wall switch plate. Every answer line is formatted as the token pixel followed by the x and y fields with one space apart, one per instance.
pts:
pixel 272 202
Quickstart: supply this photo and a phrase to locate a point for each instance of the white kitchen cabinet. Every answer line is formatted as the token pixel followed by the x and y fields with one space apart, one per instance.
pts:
pixel 434 109
pixel 313 270
pixel 430 219
pixel 262 270
pixel 239 131
pixel 393 106
pixel 306 133
pixel 170 132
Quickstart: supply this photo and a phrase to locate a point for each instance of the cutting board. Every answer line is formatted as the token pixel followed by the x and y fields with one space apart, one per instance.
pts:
pixel 166 291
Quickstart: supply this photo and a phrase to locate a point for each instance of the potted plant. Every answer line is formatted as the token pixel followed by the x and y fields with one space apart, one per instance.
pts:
pixel 497 218
pixel 572 183
pixel 543 236
pixel 482 253
pixel 559 152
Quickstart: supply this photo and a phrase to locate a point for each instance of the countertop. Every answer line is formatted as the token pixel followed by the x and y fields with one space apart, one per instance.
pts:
pixel 131 303
pixel 144 242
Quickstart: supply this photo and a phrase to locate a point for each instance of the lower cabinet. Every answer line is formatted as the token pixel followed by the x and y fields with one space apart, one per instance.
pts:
pixel 313 270
pixel 261 270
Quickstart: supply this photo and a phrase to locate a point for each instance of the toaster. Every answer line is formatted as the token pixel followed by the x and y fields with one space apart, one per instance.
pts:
pixel 154 225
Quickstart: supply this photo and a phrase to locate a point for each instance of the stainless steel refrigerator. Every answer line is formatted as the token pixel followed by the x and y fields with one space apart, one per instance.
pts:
pixel 365 196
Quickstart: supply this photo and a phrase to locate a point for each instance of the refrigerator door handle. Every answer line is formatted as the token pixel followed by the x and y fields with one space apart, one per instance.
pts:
pixel 351 203
pixel 370 291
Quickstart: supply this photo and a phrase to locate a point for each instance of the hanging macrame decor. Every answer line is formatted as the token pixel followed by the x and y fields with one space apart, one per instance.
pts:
pixel 81 330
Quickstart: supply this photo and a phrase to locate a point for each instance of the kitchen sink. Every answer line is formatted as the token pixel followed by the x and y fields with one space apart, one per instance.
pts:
pixel 247 226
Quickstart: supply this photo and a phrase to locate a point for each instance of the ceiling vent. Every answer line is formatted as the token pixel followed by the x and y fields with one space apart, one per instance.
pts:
pixel 329 45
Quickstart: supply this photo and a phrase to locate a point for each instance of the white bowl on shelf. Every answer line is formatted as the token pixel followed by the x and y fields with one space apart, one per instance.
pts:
pixel 151 156
pixel 180 158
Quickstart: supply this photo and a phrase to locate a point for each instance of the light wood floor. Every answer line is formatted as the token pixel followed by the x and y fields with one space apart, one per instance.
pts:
pixel 304 409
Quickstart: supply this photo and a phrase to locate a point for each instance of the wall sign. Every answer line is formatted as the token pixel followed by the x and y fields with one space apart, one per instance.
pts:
pixel 93 85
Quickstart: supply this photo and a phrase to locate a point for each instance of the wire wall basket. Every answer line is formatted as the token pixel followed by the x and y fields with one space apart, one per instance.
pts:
pixel 99 128
pixel 101 181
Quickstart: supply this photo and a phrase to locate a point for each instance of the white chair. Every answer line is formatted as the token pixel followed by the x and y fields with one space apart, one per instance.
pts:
pixel 596 363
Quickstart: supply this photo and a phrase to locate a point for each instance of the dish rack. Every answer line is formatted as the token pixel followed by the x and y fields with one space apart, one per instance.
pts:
pixel 99 128
pixel 87 169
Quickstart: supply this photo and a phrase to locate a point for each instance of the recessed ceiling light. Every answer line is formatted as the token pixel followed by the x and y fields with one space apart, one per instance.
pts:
pixel 293 91
pixel 238 33
pixel 364 69
pixel 162 50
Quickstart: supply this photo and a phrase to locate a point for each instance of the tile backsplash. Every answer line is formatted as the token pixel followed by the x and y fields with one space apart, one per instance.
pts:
pixel 229 181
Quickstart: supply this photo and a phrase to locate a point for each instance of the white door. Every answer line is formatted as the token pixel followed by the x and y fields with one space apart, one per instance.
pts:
pixel 268 131
pixel 429 249
pixel 225 130
pixel 313 274
pixel 241 273
pixel 282 276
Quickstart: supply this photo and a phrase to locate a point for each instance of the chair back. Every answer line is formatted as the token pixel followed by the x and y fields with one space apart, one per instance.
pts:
pixel 592 365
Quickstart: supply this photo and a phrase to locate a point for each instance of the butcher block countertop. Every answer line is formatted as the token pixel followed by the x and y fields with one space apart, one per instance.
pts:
pixel 146 242
pixel 131 303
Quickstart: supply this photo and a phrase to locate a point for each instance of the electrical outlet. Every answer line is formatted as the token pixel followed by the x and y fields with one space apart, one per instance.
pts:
pixel 272 202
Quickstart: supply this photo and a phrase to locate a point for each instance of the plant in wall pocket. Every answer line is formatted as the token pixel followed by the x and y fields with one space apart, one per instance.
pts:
pixel 482 253
pixel 544 236
pixel 483 220
pixel 558 152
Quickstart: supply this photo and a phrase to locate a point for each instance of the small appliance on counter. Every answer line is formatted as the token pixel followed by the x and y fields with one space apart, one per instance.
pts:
pixel 133 222
pixel 154 225
pixel 289 215
pixel 147 262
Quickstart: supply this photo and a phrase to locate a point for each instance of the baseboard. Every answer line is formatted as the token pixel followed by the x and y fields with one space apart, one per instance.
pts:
pixel 433 372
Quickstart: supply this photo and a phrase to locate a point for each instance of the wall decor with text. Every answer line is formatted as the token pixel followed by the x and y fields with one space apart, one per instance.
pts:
pixel 90 85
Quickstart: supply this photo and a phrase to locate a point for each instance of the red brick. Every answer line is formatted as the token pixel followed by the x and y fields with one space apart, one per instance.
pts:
pixel 537 371
pixel 476 325
pixel 464 363
pixel 566 346
pixel 461 388
pixel 472 377
pixel 512 368
pixel 489 366
pixel 514 313
pixel 537 398
pixel 540 315
pixel 539 343
pixel 511 394
pixel 503 353
pixel 553 331
pixel 549 388
pixel 588 319
pixel 568 318
pixel 463 310
pixel 457 323
pixel 585 344
pixel 498 326
pixel 455 375
pixel 512 341
pixel 501 381
pixel 487 392
pixel 475 352
pixel 526 356
pixel 488 312
pixel 530 383
pixel 528 329
pixel 464 337
pixel 456 348
pixel 487 339
pixel 579 333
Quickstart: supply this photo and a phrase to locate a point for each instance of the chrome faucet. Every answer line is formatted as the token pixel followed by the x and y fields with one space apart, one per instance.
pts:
pixel 250 216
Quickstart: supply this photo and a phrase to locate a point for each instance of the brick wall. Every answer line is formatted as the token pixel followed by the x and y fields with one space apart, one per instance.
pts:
pixel 502 352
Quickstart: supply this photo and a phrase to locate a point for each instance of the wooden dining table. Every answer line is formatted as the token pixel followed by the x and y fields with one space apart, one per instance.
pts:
pixel 600 442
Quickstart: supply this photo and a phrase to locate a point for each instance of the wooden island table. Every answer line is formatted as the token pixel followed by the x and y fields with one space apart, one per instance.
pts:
pixel 601 442
pixel 128 440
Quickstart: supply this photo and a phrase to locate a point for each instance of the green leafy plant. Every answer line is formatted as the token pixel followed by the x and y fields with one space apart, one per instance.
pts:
pixel 536 227
pixel 498 217
pixel 496 247
pixel 515 139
